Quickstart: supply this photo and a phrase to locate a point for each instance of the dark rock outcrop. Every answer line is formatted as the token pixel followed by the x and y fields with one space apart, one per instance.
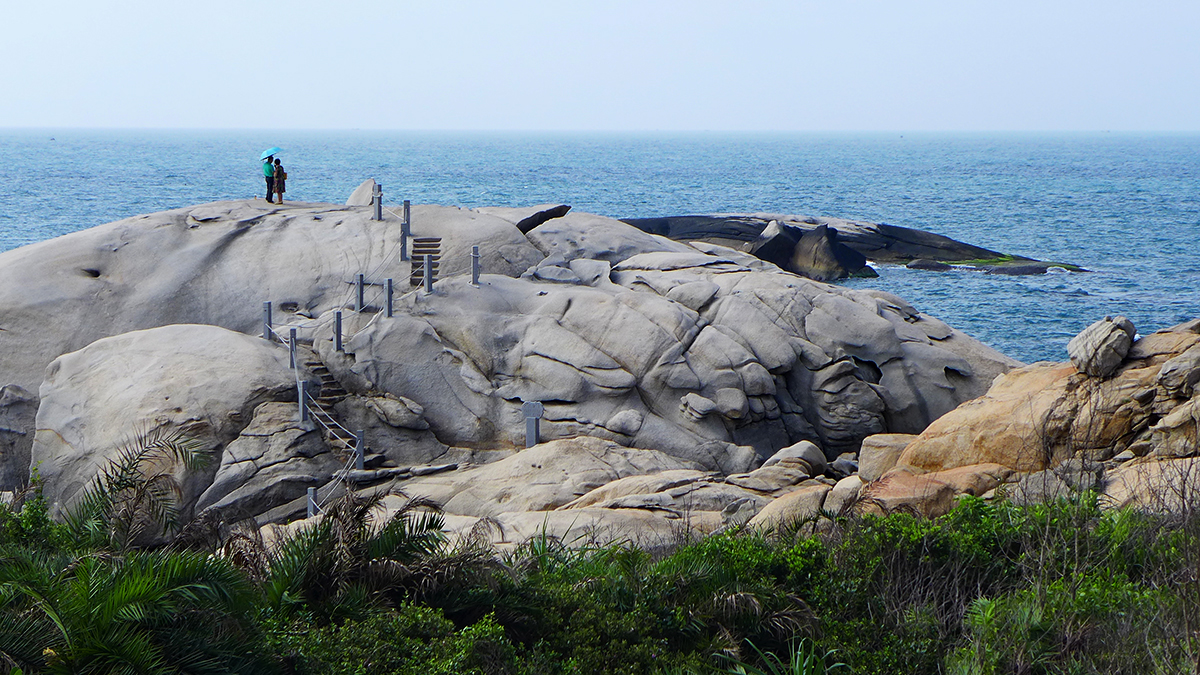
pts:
pixel 879 242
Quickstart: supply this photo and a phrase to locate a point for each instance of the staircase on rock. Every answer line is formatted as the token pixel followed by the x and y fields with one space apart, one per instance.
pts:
pixel 424 246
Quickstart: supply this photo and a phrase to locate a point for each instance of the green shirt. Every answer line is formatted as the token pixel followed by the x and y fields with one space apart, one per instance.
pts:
pixel 268 169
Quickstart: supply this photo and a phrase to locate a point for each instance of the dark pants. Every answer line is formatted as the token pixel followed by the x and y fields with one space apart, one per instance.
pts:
pixel 270 187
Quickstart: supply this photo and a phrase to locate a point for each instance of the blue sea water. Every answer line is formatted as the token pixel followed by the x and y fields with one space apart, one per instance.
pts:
pixel 1122 205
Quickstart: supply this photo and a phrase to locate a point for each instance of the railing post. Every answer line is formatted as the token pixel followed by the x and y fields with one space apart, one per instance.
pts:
pixel 405 233
pixel 267 321
pixel 532 410
pixel 359 451
pixel 428 274
pixel 475 266
pixel 302 394
pixel 312 502
pixel 377 200
pixel 292 348
pixel 389 298
pixel 337 331
pixel 358 307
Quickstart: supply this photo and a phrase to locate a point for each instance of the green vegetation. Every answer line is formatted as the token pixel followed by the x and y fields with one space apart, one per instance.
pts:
pixel 1065 587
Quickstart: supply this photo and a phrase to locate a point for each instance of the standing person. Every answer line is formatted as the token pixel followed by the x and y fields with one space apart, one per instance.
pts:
pixel 280 180
pixel 269 174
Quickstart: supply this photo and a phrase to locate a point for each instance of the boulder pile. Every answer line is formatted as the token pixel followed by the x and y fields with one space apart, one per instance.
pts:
pixel 683 387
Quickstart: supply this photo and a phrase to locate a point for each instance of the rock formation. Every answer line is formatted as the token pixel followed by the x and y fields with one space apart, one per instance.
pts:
pixel 696 362
pixel 1121 417
pixel 878 242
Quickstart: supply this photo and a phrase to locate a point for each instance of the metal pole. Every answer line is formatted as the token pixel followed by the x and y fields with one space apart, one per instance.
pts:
pixel 292 348
pixel 377 200
pixel 337 331
pixel 474 265
pixel 303 395
pixel 267 320
pixel 358 451
pixel 389 298
pixel 358 307
pixel 428 274
pixel 405 232
pixel 532 431
pixel 312 502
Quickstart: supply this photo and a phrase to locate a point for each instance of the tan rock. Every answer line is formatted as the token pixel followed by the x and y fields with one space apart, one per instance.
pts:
pixel 637 485
pixel 541 478
pixel 974 479
pixel 880 453
pixel 1169 485
pixel 844 496
pixel 907 492
pixel 792 508
pixel 769 478
pixel 1038 416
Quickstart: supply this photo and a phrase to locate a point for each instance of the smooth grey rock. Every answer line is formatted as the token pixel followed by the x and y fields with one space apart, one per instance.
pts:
pixel 541 478
pixel 18 410
pixel 398 411
pixel 843 466
pixel 626 422
pixel 794 507
pixel 805 451
pixel 363 194
pixel 1099 349
pixel 527 218
pixel 770 478
pixel 1179 375
pixel 214 264
pixel 637 485
pixel 203 380
pixel 273 461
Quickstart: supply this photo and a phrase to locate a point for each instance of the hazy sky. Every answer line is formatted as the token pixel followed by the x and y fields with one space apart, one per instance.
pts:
pixel 611 65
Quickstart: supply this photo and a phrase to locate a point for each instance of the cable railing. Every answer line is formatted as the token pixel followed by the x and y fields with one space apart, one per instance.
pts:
pixel 383 302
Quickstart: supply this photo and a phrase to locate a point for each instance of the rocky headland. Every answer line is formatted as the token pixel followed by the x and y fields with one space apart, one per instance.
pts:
pixel 685 385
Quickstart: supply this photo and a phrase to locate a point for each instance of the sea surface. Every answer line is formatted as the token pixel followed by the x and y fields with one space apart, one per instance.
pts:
pixel 1125 206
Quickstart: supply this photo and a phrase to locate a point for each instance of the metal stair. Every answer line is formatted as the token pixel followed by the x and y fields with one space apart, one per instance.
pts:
pixel 423 246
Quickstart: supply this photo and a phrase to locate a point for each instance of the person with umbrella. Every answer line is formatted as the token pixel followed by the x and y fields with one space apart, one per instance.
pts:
pixel 268 170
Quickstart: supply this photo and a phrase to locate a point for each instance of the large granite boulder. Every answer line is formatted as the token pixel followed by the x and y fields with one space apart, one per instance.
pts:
pixel 700 357
pixel 1099 349
pixel 541 478
pixel 215 264
pixel 201 380
pixel 680 351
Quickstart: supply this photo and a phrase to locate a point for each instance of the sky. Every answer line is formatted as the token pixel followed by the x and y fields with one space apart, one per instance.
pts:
pixel 616 65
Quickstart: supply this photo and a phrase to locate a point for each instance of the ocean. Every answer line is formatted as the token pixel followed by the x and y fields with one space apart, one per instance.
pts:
pixel 1125 206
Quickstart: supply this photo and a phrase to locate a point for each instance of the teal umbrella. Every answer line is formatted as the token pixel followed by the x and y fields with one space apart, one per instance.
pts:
pixel 268 153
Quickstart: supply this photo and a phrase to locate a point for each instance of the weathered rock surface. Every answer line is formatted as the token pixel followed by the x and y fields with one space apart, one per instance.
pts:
pixel 202 379
pixel 541 478
pixel 1037 417
pixel 880 453
pixel 18 409
pixel 656 362
pixel 1100 348
pixel 363 195
pixel 273 461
